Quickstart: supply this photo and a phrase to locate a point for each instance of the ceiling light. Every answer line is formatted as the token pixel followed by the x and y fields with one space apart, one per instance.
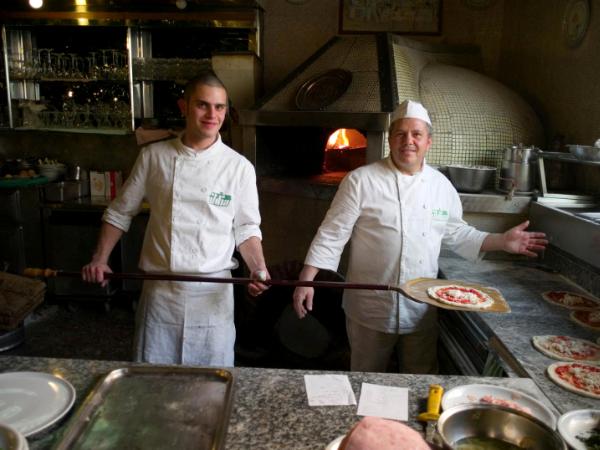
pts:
pixel 36 4
pixel 181 4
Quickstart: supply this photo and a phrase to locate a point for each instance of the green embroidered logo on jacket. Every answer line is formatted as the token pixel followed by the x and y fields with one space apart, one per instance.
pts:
pixel 219 199
pixel 439 213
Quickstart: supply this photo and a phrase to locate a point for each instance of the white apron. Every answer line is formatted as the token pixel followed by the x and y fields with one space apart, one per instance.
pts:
pixel 186 323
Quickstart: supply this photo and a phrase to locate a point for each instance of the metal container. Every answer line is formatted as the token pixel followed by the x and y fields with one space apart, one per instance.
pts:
pixel 520 153
pixel 496 422
pixel 66 190
pixel 518 171
pixel 470 178
pixel 517 177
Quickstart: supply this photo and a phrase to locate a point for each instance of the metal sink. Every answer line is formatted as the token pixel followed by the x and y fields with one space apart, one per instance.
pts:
pixel 593 215
pixel 576 230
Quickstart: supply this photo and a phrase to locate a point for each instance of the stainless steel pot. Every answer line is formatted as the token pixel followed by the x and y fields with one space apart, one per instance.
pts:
pixel 520 154
pixel 518 169
pixel 496 422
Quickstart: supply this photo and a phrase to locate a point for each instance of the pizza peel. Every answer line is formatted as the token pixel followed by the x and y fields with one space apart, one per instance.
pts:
pixel 415 289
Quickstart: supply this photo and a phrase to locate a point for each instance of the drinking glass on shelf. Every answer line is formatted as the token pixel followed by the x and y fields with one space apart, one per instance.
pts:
pixel 94 69
pixel 45 62
pixel 116 66
pixel 76 67
pixel 105 65
pixel 57 62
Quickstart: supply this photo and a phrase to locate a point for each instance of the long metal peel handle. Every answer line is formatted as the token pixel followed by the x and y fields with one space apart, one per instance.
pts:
pixel 30 272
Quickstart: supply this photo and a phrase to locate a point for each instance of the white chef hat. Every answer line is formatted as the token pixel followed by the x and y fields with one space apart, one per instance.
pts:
pixel 411 110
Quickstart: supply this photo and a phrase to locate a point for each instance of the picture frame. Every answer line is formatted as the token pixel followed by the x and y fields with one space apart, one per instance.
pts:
pixel 396 16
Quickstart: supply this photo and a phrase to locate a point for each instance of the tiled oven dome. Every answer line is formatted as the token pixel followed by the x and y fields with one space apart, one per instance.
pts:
pixel 474 116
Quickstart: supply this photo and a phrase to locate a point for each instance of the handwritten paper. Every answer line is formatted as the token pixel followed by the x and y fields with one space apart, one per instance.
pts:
pixel 383 401
pixel 328 390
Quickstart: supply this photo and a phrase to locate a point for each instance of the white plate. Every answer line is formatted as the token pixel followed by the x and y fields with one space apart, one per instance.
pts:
pixel 31 402
pixel 576 423
pixel 472 393
pixel 335 444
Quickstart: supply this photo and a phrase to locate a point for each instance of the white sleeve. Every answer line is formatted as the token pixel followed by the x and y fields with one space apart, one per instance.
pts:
pixel 336 229
pixel 128 202
pixel 461 237
pixel 246 222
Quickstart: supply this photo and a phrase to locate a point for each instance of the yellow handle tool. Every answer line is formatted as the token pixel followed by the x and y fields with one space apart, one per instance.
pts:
pixel 434 402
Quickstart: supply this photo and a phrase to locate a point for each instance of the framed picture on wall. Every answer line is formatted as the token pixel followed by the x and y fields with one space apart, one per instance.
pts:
pixel 396 16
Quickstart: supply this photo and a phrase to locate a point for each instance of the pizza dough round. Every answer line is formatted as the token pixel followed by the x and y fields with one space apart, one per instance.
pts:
pixel 561 348
pixel 383 434
pixel 588 319
pixel 590 371
pixel 476 300
pixel 571 300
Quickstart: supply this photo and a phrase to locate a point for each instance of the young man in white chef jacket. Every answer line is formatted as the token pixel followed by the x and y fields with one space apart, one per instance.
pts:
pixel 396 213
pixel 203 203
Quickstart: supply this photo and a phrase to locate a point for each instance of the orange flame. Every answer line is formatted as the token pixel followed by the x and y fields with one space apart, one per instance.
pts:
pixel 338 139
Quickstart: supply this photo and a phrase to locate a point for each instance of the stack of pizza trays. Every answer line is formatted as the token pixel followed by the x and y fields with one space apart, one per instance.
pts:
pixel 585 309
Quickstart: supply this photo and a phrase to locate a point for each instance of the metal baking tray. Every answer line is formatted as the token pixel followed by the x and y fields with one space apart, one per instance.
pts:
pixel 153 408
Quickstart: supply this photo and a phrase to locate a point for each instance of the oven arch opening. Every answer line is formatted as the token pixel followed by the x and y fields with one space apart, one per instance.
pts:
pixel 345 150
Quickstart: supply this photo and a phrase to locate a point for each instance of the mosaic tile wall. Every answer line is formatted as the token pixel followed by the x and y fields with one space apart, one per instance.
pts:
pixel 474 117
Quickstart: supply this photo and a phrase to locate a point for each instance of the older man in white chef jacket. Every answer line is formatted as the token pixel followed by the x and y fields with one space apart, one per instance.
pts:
pixel 203 203
pixel 396 213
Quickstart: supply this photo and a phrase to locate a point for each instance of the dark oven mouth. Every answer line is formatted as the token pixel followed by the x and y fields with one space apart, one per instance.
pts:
pixel 321 154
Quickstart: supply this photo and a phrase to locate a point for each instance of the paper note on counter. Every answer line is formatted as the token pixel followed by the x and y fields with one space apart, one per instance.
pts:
pixel 383 401
pixel 328 390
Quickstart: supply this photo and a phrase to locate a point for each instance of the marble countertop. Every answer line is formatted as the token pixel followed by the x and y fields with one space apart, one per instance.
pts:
pixel 270 408
pixel 522 284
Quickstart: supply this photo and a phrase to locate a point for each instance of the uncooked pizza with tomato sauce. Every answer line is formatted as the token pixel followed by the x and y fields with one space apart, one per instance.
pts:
pixel 456 295
pixel 571 300
pixel 581 378
pixel 588 319
pixel 566 348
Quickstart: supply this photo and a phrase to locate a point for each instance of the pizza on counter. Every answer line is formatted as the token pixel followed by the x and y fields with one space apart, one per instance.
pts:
pixel 571 300
pixel 465 296
pixel 588 319
pixel 583 379
pixel 566 348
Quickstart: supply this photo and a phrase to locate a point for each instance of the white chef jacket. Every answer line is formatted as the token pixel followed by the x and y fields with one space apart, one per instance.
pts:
pixel 202 205
pixel 396 229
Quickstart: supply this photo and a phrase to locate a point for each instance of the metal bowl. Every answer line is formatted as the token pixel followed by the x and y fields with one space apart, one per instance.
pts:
pixel 585 152
pixel 496 422
pixel 12 439
pixel 470 178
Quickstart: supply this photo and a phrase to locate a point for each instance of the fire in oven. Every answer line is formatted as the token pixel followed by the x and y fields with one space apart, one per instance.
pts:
pixel 319 153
